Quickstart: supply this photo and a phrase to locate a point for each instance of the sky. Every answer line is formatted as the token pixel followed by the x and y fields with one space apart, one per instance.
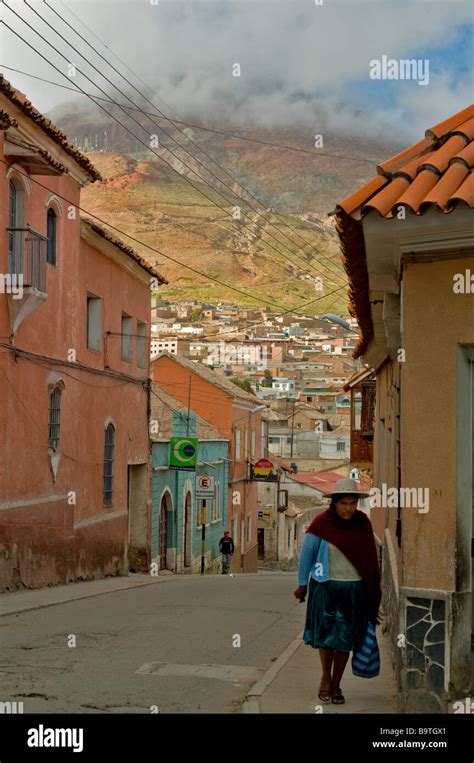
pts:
pixel 302 63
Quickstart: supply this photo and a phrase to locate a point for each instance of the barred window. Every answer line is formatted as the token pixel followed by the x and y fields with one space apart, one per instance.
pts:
pixel 52 222
pixel 53 426
pixel 109 464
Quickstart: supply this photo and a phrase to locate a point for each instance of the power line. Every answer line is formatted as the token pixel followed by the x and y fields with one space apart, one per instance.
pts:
pixel 167 256
pixel 186 179
pixel 156 115
pixel 179 128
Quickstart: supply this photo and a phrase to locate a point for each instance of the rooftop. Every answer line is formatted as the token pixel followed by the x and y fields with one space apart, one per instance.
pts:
pixel 21 102
pixel 162 407
pixel 434 173
pixel 206 373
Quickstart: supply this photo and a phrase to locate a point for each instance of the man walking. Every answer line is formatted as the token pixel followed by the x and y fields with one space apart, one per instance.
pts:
pixel 226 547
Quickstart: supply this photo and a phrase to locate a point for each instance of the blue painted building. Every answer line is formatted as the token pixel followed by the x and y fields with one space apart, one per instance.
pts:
pixel 175 511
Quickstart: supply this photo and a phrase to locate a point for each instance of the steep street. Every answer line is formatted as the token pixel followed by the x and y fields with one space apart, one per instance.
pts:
pixel 182 625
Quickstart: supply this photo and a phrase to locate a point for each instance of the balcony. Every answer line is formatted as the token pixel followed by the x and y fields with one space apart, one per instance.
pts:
pixel 25 283
pixel 27 257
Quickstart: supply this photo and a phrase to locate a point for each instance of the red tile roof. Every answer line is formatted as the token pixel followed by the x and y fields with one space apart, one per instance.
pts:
pixel 6 120
pixel 435 172
pixel 324 481
pixel 126 249
pixel 21 102
pixel 413 177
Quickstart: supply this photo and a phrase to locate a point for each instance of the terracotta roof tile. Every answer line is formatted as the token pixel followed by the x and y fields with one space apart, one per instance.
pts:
pixel 21 102
pixel 465 192
pixel 450 125
pixel 6 120
pixel 466 156
pixel 445 187
pixel 384 201
pixel 439 159
pixel 409 170
pixel 416 192
pixel 350 203
pixel 405 156
pixel 466 129
pixel 435 172
pixel 209 375
pixel 448 143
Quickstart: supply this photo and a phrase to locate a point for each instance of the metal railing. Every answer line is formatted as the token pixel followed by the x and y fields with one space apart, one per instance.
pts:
pixel 27 252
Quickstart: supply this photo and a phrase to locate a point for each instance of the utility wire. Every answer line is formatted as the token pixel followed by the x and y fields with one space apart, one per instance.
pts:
pixel 111 102
pixel 186 179
pixel 188 139
pixel 169 257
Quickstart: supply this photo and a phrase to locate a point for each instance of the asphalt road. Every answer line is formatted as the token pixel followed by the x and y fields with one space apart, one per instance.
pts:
pixel 187 645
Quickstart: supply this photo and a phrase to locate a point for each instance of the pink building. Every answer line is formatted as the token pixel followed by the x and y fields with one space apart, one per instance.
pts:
pixel 74 365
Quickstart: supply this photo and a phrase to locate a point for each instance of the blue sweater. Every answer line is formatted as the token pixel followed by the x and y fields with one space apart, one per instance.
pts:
pixel 314 559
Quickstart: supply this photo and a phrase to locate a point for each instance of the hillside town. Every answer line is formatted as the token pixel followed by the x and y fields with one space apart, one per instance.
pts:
pixel 142 430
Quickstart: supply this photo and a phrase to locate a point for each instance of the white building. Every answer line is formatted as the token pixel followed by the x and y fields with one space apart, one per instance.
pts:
pixel 168 344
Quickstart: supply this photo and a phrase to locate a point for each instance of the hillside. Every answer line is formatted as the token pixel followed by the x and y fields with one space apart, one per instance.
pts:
pixel 284 239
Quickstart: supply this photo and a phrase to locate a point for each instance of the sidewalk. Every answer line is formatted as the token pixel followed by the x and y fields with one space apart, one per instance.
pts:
pixel 23 601
pixel 291 685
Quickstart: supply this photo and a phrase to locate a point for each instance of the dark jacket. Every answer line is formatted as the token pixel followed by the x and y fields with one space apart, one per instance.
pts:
pixel 226 546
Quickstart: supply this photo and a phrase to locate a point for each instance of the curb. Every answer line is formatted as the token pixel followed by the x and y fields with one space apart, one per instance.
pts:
pixel 18 609
pixel 252 703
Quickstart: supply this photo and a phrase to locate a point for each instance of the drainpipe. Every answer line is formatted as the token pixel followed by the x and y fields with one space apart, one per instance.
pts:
pixel 398 529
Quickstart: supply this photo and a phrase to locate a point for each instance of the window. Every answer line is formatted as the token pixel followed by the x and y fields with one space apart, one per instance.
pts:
pixel 237 445
pixel 216 503
pixel 141 344
pixel 94 322
pixel 52 222
pixel 15 221
pixel 341 446
pixel 126 332
pixel 109 464
pixel 252 447
pixel 249 528
pixel 53 427
pixel 246 443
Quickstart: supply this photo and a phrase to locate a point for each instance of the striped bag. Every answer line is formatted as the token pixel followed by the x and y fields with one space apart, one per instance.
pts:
pixel 366 660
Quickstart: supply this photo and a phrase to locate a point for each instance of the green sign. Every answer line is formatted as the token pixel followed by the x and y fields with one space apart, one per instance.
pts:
pixel 183 453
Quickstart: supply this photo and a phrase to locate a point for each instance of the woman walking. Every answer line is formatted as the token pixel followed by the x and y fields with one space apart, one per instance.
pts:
pixel 344 589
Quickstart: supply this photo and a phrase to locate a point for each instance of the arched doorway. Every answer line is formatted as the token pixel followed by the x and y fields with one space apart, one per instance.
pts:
pixel 164 508
pixel 187 538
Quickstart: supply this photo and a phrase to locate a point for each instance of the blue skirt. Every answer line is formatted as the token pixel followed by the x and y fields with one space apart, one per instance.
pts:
pixel 335 615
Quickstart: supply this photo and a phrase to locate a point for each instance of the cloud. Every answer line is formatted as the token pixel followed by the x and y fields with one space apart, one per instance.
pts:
pixel 301 64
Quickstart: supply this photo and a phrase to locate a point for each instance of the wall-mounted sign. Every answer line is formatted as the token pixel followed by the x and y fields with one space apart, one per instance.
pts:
pixel 183 453
pixel 263 471
pixel 265 514
pixel 204 486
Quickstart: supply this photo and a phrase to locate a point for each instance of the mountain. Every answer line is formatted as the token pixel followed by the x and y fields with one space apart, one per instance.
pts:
pixel 284 238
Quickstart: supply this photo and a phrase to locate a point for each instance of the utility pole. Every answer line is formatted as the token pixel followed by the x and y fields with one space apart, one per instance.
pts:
pixel 292 429
pixel 203 534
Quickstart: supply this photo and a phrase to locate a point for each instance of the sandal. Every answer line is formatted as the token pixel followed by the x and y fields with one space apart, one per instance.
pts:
pixel 324 694
pixel 337 697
